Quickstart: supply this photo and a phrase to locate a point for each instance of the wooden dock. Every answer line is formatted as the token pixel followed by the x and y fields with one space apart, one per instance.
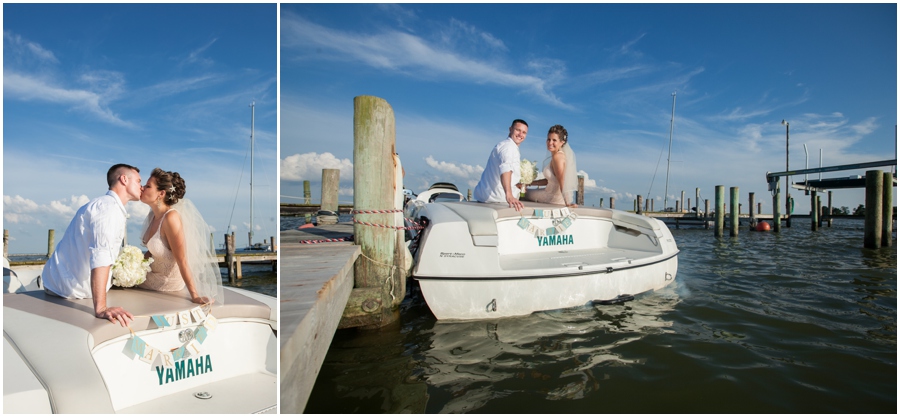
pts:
pixel 315 280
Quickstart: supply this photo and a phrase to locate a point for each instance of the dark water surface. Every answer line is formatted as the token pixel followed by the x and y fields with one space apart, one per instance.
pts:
pixel 801 322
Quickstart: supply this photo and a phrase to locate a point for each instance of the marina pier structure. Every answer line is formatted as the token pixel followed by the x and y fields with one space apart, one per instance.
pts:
pixel 328 283
pixel 879 187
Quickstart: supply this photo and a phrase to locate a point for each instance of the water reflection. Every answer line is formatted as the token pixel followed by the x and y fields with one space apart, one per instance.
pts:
pixel 559 355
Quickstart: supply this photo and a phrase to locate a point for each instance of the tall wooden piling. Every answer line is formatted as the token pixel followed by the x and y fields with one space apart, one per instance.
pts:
pixel 331 182
pixel 706 212
pixel 380 271
pixel 720 211
pixel 50 241
pixel 469 195
pixel 873 223
pixel 830 209
pixel 639 205
pixel 307 195
pixel 229 257
pixel 735 211
pixel 5 243
pixel 580 198
pixel 752 213
pixel 815 207
pixel 683 208
pixel 612 203
pixel 776 211
pixel 887 209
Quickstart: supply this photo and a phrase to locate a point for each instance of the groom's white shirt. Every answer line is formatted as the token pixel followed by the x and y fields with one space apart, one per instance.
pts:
pixel 93 239
pixel 504 158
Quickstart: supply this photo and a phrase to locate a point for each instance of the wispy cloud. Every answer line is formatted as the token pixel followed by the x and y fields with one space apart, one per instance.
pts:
pixel 409 54
pixel 196 56
pixel 25 48
pixel 26 88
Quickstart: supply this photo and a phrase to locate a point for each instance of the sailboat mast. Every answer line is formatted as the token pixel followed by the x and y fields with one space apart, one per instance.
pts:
pixel 669 159
pixel 252 120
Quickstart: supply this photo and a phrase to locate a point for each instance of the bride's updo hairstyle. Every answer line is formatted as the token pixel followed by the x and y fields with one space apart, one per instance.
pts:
pixel 561 131
pixel 171 183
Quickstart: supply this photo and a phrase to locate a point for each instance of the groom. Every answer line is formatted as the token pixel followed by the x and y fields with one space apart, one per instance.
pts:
pixel 502 171
pixel 81 265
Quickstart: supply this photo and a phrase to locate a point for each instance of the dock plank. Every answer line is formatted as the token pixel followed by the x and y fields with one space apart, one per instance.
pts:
pixel 316 281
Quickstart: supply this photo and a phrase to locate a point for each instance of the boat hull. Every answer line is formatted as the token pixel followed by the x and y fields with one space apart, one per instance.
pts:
pixel 475 299
pixel 478 261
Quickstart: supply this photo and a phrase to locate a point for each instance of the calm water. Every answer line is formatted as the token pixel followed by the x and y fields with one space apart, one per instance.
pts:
pixel 802 322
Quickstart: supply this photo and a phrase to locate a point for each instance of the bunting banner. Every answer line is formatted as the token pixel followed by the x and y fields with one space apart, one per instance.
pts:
pixel 205 324
pixel 562 220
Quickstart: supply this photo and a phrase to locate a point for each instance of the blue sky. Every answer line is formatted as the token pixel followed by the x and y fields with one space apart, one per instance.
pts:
pixel 457 75
pixel 161 85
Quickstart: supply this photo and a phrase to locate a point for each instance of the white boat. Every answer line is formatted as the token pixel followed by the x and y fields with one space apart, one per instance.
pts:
pixel 478 260
pixel 59 358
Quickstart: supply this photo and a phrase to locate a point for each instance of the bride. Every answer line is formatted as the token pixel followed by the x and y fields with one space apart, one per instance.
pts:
pixel 560 176
pixel 178 240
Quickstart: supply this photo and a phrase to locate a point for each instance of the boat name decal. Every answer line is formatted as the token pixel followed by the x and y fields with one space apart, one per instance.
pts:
pixel 560 224
pixel 192 339
pixel 452 255
pixel 555 240
pixel 184 369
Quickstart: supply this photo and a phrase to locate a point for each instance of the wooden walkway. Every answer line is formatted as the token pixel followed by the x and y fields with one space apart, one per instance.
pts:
pixel 315 280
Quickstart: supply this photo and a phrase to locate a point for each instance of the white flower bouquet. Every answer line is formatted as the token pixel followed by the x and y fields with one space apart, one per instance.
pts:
pixel 528 171
pixel 130 268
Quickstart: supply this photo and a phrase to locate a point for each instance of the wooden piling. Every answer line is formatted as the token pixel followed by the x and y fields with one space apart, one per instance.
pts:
pixel 612 203
pixel 814 210
pixel 469 195
pixel 50 240
pixel 331 180
pixel 580 198
pixel 706 211
pixel 776 211
pixel 887 209
pixel 873 223
pixel 307 195
pixel 639 204
pixel 752 213
pixel 683 208
pixel 720 211
pixel 830 209
pixel 379 272
pixel 6 243
pixel 652 204
pixel 229 257
pixel 601 202
pixel 735 211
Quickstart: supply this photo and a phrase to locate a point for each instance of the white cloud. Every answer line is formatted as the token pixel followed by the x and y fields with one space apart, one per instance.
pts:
pixel 16 42
pixel 309 166
pixel 406 53
pixel 27 88
pixel 460 170
pixel 26 211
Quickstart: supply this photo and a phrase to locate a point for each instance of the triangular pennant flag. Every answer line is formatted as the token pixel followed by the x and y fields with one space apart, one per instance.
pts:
pixel 539 213
pixel 167 360
pixel 160 321
pixel 523 223
pixel 193 347
pixel 178 354
pixel 211 322
pixel 150 355
pixel 138 346
pixel 184 317
pixel 198 314
pixel 171 318
pixel 200 334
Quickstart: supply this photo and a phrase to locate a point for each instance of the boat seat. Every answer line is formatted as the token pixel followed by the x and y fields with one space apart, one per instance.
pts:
pixel 139 302
pixel 481 218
